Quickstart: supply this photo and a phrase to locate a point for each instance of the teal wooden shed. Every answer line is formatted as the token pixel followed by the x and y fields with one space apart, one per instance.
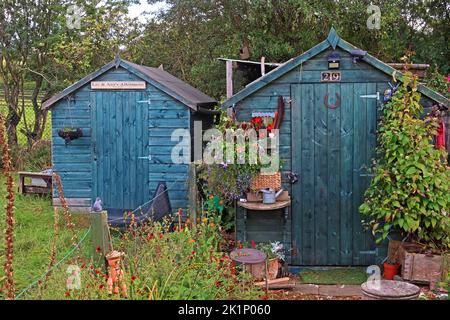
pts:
pixel 126 114
pixel 328 138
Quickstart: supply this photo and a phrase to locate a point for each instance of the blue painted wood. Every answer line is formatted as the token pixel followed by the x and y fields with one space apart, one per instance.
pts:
pixel 346 172
pixel 334 177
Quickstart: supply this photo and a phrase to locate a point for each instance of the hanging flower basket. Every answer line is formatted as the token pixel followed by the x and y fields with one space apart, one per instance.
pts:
pixel 69 134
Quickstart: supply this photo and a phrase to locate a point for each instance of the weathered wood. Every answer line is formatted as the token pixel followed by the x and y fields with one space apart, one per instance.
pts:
pixel 257 206
pixel 229 77
pixel 101 241
pixel 422 268
pixel 193 192
pixel 273 281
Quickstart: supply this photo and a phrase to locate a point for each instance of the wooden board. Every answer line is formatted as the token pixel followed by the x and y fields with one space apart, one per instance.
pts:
pixel 117 85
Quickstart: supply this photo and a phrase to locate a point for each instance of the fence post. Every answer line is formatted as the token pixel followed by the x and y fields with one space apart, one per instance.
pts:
pixel 101 242
pixel 193 192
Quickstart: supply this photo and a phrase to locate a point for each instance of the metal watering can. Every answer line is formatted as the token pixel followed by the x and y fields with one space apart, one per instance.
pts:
pixel 270 196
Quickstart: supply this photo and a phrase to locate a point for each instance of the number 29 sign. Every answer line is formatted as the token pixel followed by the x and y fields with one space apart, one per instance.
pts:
pixel 328 76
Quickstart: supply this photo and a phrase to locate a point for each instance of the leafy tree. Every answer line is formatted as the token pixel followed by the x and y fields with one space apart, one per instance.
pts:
pixel 410 191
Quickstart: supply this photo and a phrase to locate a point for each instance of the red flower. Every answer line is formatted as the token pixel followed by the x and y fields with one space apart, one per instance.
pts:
pixel 160 235
pixel 83 265
pixel 97 271
pixel 133 277
pixel 67 294
pixel 218 283
pixel 253 244
pixel 91 267
pixel 101 286
pixel 265 297
pixel 241 246
pixel 270 127
pixel 193 252
pixel 98 249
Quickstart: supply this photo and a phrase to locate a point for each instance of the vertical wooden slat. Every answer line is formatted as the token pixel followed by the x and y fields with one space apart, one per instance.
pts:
pixel 100 146
pixel 145 178
pixel 359 156
pixel 296 167
pixel 321 174
pixel 126 153
pixel 139 150
pixel 94 150
pixel 133 153
pixel 109 111
pixel 333 151
pixel 307 175
pixel 120 173
pixel 346 172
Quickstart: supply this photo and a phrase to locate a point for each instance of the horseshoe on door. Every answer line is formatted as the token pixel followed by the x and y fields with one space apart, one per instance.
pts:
pixel 332 106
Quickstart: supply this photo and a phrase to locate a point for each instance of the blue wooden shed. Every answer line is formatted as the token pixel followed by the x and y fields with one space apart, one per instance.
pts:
pixel 328 138
pixel 126 113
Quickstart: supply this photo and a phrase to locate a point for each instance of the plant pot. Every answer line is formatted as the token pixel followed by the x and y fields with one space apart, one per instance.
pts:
pixel 258 270
pixel 391 270
pixel 69 134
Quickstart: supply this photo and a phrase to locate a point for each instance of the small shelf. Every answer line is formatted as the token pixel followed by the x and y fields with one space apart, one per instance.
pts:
pixel 259 206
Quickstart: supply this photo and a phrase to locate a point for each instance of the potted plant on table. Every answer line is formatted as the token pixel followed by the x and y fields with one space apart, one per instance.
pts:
pixel 410 189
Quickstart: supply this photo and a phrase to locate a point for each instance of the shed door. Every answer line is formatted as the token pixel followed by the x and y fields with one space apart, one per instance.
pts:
pixel 332 148
pixel 119 139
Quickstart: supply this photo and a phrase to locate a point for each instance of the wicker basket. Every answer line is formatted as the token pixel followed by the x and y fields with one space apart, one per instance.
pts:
pixel 264 181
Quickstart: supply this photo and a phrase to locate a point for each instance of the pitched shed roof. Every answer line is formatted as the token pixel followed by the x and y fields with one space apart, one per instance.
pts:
pixel 333 40
pixel 161 79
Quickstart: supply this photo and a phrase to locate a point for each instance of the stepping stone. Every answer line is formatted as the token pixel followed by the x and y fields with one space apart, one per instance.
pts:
pixel 390 290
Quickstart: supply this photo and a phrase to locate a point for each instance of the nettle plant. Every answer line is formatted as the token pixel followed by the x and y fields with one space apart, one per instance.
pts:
pixel 410 190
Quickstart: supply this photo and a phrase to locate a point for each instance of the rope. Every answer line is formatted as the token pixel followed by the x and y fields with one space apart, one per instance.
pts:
pixel 68 254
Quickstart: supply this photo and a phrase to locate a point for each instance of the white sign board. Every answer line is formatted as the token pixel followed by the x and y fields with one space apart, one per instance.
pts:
pixel 117 85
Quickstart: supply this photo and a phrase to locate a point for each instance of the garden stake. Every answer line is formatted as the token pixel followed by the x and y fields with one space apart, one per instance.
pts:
pixel 9 234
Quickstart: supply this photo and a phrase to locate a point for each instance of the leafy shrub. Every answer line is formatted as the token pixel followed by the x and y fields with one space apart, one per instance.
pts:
pixel 410 190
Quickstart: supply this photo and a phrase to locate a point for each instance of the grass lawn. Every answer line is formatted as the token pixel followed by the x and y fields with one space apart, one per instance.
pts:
pixel 33 236
pixel 348 276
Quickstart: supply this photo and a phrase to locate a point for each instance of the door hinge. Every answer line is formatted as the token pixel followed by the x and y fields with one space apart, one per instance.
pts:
pixel 371 96
pixel 370 252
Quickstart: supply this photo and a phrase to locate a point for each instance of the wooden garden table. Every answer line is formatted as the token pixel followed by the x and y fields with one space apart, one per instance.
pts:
pixel 250 256
pixel 46 177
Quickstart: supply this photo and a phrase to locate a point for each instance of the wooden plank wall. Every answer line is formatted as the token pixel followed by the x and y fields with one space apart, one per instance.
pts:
pixel 74 162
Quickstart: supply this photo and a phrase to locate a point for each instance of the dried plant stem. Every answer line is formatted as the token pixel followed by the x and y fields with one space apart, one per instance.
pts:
pixel 68 216
pixel 54 242
pixel 9 234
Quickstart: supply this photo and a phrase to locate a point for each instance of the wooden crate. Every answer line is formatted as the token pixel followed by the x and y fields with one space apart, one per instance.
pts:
pixel 422 268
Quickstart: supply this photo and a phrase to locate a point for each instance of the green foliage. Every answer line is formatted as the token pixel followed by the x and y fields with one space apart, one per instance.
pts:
pixel 410 190
pixel 33 236
pixel 438 82
pixel 185 264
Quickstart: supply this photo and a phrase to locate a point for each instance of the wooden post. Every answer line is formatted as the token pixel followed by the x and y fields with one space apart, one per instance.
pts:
pixel 193 192
pixel 101 242
pixel 229 65
pixel 263 66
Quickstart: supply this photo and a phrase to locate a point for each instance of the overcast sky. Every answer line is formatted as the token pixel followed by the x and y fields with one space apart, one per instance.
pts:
pixel 136 10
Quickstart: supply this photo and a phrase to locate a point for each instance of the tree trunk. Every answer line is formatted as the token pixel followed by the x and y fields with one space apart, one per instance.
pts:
pixel 12 121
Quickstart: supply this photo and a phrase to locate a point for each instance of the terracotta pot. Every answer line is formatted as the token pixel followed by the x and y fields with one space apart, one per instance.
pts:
pixel 258 270
pixel 390 270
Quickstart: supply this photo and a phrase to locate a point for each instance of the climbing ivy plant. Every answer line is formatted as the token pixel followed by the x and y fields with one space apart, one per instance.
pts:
pixel 410 190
